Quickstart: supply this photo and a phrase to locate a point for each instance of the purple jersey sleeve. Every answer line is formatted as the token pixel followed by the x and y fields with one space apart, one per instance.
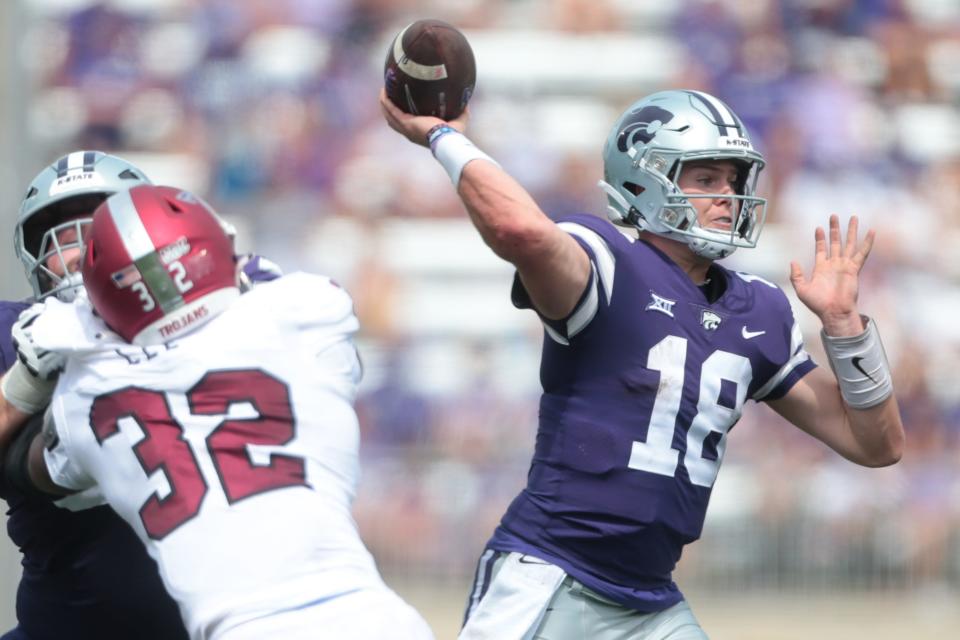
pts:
pixel 589 232
pixel 9 312
pixel 256 269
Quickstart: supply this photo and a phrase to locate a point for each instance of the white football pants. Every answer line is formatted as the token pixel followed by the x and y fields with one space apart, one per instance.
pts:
pixel 526 598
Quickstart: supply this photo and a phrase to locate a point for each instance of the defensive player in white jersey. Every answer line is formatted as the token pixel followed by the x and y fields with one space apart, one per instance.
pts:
pixel 220 427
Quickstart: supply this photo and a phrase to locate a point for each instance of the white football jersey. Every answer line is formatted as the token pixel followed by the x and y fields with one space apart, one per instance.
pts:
pixel 231 451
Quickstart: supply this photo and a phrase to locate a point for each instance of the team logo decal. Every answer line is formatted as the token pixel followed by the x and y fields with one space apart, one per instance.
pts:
pixel 709 320
pixel 661 304
pixel 641 126
pixel 126 277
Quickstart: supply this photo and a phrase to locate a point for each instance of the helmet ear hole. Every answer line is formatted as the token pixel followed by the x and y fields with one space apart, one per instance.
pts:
pixel 633 188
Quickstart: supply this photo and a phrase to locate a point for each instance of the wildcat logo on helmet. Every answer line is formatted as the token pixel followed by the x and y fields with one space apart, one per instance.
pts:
pixel 642 126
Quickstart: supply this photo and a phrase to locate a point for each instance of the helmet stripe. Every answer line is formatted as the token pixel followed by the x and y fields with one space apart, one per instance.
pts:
pixel 62 166
pixel 722 115
pixel 134 235
pixel 83 160
pixel 144 253
pixel 89 160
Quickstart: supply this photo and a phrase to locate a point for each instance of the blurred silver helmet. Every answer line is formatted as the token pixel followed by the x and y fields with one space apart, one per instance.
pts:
pixel 645 154
pixel 59 205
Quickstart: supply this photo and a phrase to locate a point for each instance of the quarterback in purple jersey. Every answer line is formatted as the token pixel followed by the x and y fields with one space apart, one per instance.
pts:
pixel 85 573
pixel 651 350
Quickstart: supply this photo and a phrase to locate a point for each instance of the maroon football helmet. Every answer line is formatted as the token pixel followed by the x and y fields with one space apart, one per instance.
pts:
pixel 158 264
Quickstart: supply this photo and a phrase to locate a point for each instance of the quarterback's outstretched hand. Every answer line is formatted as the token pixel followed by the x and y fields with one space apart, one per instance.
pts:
pixel 831 292
pixel 415 128
pixel 41 363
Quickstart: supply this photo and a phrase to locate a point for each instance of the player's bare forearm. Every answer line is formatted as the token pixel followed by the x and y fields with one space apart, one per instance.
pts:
pixel 879 431
pixel 553 267
pixel 871 437
pixel 508 219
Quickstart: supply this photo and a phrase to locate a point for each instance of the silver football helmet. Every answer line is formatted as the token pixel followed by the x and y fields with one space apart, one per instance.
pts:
pixel 56 212
pixel 645 154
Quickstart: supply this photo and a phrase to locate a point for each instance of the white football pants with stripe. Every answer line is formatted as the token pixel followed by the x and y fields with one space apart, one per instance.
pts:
pixel 519 597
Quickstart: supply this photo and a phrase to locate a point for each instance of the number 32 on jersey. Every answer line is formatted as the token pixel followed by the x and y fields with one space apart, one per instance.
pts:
pixel 656 454
pixel 164 448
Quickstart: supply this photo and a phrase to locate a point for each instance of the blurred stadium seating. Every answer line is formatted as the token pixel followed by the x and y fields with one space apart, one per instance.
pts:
pixel 268 108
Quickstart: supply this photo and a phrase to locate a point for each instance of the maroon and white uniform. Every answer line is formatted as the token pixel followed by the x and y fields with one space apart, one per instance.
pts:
pixel 232 452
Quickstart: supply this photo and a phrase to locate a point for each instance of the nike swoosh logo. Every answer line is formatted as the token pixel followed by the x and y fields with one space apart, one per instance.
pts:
pixel 531 560
pixel 856 360
pixel 750 334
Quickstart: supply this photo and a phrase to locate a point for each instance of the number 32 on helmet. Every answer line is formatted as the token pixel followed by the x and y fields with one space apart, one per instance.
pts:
pixel 158 264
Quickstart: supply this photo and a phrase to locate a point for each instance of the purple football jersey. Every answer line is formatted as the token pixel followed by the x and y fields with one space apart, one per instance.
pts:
pixel 642 382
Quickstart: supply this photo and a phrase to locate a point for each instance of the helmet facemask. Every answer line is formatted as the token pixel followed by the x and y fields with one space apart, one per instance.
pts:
pixel 54 247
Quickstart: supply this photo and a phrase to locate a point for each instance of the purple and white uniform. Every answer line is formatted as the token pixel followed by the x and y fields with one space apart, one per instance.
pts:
pixel 641 384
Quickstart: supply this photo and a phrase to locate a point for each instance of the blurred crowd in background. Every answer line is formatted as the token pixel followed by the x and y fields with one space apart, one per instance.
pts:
pixel 268 108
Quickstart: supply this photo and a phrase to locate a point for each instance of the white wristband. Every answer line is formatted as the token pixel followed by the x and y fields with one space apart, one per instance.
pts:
pixel 454 151
pixel 25 391
pixel 861 366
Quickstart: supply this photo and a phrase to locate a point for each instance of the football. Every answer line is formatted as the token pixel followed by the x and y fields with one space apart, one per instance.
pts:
pixel 430 70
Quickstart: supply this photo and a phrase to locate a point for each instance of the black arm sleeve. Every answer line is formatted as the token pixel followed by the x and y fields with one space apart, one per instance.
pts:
pixel 16 460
